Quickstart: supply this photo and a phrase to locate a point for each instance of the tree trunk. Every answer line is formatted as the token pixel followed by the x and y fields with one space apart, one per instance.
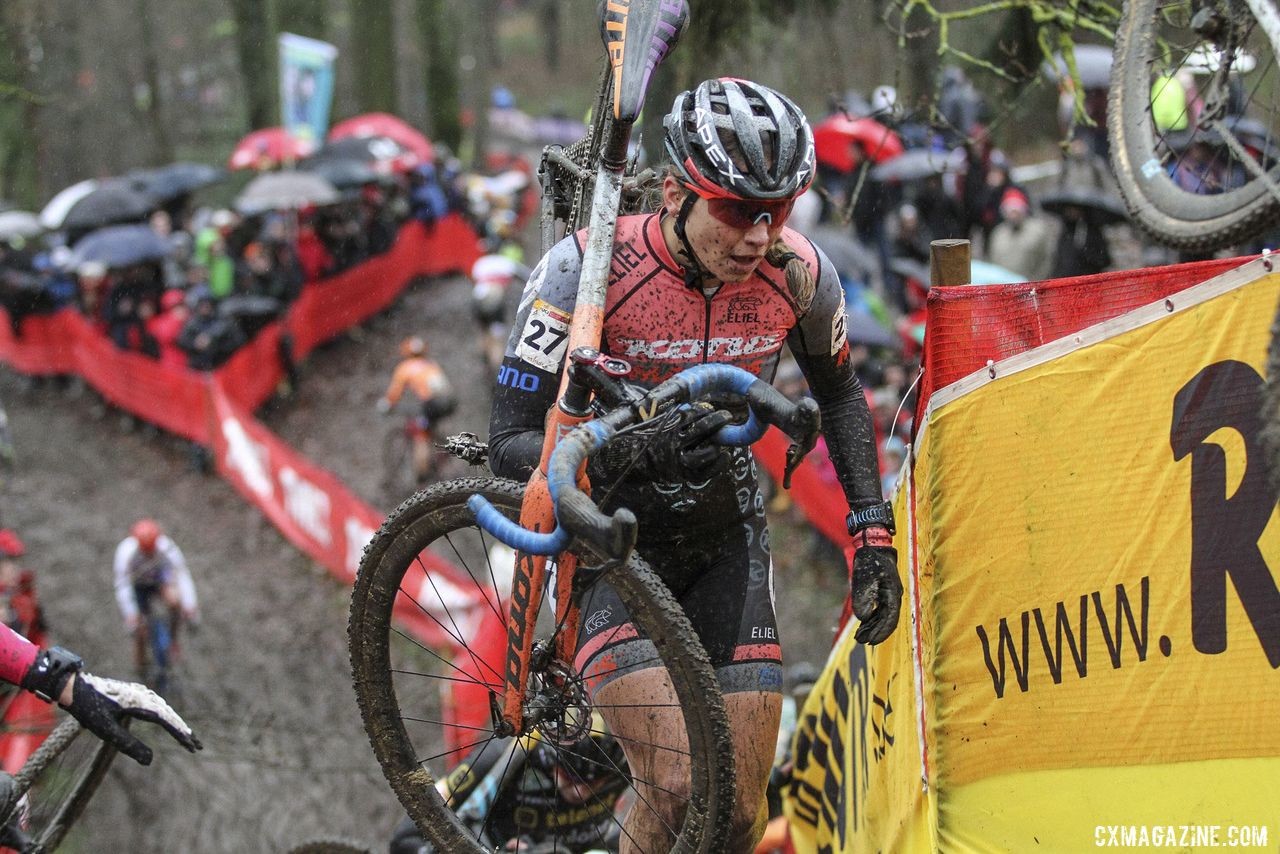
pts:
pixel 257 54
pixel 303 17
pixel 439 39
pixel 551 33
pixel 151 76
pixel 373 54
pixel 18 109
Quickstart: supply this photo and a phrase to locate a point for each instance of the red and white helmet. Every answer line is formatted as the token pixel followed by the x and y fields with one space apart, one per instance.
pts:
pixel 147 533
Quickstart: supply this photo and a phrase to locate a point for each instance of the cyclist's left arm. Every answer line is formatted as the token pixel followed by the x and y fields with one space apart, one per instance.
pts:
pixel 820 345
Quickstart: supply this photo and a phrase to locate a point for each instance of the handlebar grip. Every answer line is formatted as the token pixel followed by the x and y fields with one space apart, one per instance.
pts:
pixel 530 542
pixel 613 536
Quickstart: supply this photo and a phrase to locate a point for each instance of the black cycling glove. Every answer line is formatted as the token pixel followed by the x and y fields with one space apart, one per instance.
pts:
pixel 875 590
pixel 99 704
pixel 671 456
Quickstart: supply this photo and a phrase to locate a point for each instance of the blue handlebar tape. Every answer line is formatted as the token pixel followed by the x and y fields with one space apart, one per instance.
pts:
pixel 531 542
pixel 491 520
pixel 697 380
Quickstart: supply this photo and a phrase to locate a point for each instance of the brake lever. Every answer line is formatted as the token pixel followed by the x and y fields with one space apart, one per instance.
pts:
pixel 804 432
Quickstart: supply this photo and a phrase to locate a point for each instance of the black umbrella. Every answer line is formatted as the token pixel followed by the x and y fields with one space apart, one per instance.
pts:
pixel 910 268
pixel 914 164
pixel 176 179
pixel 342 173
pixel 1098 205
pixel 369 149
pixel 111 203
pixel 850 257
pixel 864 329
pixel 120 246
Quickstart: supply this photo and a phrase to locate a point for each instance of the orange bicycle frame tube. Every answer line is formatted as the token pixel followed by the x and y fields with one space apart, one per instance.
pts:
pixel 661 22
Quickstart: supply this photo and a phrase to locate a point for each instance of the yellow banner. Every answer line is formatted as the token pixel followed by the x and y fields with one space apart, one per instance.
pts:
pixel 1104 536
pixel 857 782
pixel 1090 649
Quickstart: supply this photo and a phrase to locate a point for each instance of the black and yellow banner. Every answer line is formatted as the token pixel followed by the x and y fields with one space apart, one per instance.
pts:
pixel 1098 635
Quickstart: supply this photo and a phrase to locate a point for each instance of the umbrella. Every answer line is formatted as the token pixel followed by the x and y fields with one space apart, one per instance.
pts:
pixel 834 136
pixel 910 268
pixel 1093 64
pixel 864 329
pixel 1100 206
pixel 342 174
pixel 285 191
pixel 176 179
pixel 268 148
pixel 850 257
pixel 383 152
pixel 109 203
pixel 119 246
pixel 388 126
pixel 19 224
pixel 914 164
pixel 56 210
pixel 986 273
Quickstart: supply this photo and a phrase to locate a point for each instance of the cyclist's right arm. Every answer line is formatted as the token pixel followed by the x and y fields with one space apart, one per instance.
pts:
pixel 125 599
pixel 530 375
pixel 16 655
pixel 181 575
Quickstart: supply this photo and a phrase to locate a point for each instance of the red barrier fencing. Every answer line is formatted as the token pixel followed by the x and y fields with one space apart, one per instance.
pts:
pixel 177 399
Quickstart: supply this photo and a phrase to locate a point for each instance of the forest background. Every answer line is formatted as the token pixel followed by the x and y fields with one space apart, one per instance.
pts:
pixel 94 90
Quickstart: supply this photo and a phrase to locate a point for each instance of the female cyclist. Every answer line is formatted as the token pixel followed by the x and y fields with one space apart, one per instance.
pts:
pixel 714 276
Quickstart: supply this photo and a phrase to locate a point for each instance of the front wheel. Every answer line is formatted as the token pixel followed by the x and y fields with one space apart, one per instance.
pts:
pixel 1194 121
pixel 410 684
pixel 54 786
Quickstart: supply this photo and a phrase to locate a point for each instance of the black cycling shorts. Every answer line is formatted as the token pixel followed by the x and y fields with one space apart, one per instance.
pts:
pixel 728 597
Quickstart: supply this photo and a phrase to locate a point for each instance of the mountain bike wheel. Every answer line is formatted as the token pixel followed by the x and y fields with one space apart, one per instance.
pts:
pixel 54 786
pixel 1198 166
pixel 399 680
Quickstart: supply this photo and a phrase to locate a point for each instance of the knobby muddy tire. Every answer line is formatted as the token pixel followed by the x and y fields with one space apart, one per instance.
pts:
pixel 441 509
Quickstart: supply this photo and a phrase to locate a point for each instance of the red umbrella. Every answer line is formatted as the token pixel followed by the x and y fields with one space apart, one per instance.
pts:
pixel 834 136
pixel 389 126
pixel 268 148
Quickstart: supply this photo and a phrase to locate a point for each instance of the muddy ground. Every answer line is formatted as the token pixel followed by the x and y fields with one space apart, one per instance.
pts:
pixel 265 679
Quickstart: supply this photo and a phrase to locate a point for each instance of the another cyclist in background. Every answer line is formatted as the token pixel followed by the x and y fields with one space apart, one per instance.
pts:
pixel 424 379
pixel 713 277
pixel 490 276
pixel 98 704
pixel 564 799
pixel 19 606
pixel 148 564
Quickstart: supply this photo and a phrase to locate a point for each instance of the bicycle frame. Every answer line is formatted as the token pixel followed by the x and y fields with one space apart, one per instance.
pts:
pixel 637 34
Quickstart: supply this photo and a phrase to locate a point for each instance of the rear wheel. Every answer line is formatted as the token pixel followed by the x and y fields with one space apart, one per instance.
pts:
pixel 1194 121
pixel 426 693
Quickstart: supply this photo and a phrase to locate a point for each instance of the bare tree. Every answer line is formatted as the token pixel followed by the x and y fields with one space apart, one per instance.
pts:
pixel 257 54
pixel 439 38
pixel 151 76
pixel 373 54
pixel 18 107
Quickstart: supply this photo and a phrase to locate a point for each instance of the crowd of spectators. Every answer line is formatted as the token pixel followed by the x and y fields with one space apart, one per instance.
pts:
pixel 223 274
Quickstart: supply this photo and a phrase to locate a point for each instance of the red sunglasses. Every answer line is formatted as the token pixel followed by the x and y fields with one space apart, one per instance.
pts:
pixel 744 215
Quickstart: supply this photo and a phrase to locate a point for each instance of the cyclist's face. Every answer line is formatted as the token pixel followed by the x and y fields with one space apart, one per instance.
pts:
pixel 730 238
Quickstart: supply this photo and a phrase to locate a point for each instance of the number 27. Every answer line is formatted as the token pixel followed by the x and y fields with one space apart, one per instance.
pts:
pixel 541 329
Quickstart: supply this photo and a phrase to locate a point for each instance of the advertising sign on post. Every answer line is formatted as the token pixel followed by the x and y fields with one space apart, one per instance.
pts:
pixel 306 86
